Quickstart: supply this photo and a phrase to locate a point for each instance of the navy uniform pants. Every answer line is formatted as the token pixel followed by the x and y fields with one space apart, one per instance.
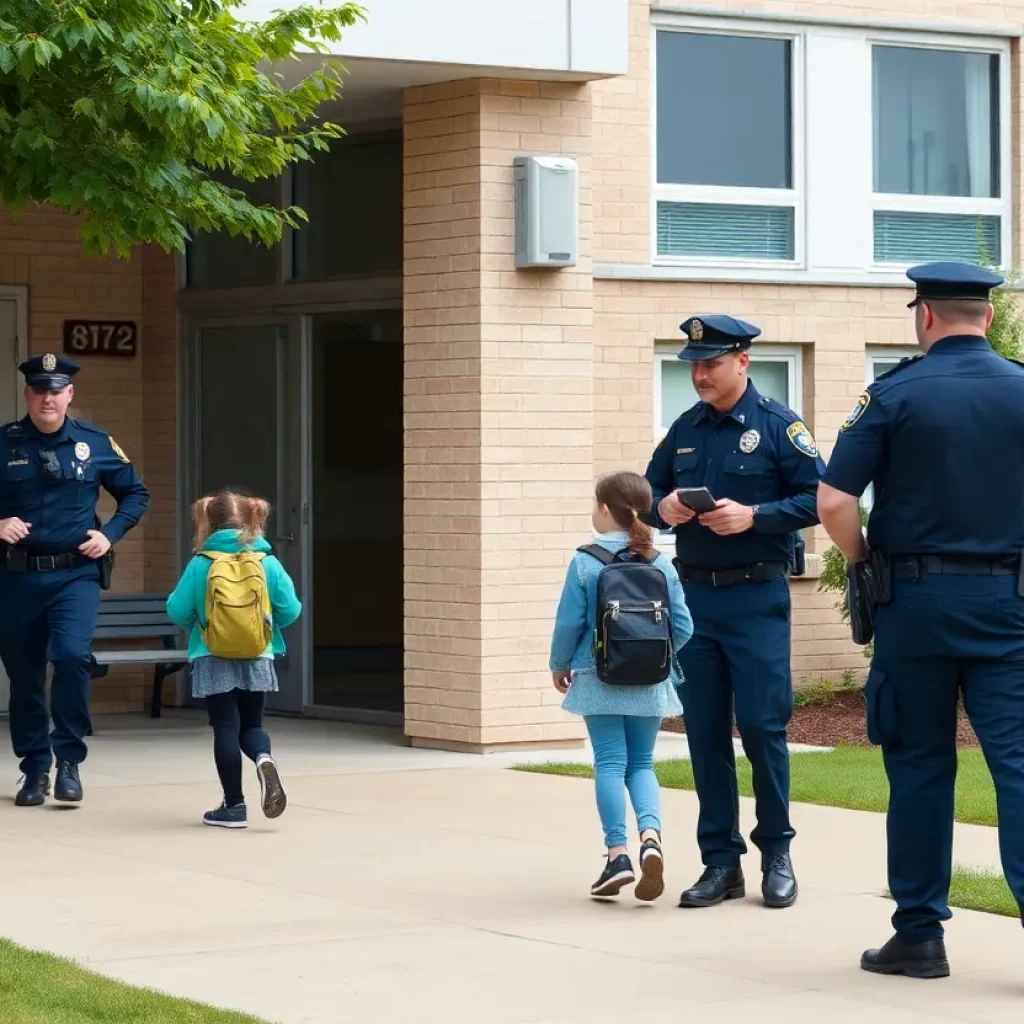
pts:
pixel 739 655
pixel 48 617
pixel 941 635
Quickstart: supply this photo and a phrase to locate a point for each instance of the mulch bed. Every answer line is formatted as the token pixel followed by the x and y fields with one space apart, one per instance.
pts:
pixel 836 720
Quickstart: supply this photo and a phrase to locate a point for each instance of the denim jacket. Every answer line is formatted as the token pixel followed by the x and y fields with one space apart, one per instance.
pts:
pixel 572 645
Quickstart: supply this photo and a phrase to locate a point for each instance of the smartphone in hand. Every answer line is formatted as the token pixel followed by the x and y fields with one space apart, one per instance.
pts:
pixel 697 498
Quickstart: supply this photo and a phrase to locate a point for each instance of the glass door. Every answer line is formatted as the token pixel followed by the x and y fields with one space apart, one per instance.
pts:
pixel 244 414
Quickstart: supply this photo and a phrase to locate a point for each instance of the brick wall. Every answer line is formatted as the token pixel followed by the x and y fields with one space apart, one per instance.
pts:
pixel 831 325
pixel 498 415
pixel 41 249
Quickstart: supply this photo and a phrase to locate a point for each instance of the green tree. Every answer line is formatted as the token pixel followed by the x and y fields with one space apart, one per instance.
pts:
pixel 127 112
pixel 1006 335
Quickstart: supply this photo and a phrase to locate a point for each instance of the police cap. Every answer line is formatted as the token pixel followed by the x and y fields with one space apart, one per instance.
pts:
pixel 716 335
pixel 952 280
pixel 48 372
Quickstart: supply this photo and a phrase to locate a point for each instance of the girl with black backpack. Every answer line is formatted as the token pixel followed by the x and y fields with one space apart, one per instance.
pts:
pixel 621 619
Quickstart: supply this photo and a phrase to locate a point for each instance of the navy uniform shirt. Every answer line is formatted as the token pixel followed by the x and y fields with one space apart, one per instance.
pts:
pixel 761 454
pixel 53 482
pixel 941 437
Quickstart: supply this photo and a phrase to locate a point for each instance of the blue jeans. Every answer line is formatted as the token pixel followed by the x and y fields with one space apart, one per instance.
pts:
pixel 624 759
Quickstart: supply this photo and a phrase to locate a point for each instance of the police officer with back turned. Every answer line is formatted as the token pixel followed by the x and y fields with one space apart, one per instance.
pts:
pixel 54 554
pixel 941 437
pixel 761 465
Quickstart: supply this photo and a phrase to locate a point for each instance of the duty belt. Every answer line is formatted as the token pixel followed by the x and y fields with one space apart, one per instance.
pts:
pixel 21 561
pixel 760 572
pixel 912 567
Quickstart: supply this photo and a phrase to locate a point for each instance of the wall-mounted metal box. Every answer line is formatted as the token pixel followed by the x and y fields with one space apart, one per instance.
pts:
pixel 547 211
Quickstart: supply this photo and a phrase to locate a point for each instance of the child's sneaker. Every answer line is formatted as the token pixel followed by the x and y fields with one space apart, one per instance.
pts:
pixel 227 817
pixel 652 871
pixel 273 798
pixel 617 874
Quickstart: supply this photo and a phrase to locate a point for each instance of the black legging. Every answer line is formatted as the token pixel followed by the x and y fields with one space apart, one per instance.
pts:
pixel 237 720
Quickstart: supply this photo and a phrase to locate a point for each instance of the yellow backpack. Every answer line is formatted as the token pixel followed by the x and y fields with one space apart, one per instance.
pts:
pixel 239 621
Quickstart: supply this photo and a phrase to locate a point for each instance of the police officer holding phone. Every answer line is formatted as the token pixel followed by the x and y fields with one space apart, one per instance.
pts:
pixel 941 437
pixel 53 556
pixel 761 468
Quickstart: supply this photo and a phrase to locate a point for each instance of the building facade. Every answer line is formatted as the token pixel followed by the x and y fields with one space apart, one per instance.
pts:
pixel 427 419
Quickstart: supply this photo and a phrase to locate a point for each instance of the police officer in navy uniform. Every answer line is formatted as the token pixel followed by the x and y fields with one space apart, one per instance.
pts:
pixel 762 466
pixel 941 437
pixel 51 471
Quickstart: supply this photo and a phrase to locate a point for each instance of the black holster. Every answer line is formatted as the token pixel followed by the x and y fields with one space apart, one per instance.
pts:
pixel 106 564
pixel 868 585
pixel 798 556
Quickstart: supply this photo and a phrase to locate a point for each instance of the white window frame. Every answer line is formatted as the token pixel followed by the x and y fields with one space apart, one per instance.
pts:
pixel 1002 206
pixel 884 353
pixel 733 195
pixel 857 264
pixel 765 352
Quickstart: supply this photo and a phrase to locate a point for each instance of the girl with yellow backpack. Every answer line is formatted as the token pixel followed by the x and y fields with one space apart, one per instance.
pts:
pixel 235 596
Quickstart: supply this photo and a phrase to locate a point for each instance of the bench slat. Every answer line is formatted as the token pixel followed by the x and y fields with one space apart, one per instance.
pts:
pixel 141 657
pixel 123 632
pixel 133 619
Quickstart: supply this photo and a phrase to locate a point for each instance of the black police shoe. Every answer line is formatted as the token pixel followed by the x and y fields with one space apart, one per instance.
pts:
pixel 652 871
pixel 925 960
pixel 778 886
pixel 227 817
pixel 69 784
pixel 617 874
pixel 34 790
pixel 716 885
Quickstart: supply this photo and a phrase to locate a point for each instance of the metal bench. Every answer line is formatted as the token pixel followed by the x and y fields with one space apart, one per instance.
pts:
pixel 140 617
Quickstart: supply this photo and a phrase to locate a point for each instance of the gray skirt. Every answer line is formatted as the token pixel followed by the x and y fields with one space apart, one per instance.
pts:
pixel 222 675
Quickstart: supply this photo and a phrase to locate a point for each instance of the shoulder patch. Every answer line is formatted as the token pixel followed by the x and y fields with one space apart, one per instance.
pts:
pixel 117 450
pixel 901 365
pixel 801 439
pixel 858 410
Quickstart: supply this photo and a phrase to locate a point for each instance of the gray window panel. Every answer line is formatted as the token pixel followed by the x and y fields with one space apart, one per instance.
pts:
pixel 220 260
pixel 936 122
pixel 724 110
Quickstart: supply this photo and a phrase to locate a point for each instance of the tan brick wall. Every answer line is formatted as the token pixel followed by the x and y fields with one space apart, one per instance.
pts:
pixel 498 414
pixel 41 250
pixel 832 325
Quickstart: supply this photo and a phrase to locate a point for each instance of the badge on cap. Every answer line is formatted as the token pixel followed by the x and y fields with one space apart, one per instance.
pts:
pixel 858 410
pixel 696 330
pixel 749 441
pixel 49 362
pixel 801 439
pixel 82 451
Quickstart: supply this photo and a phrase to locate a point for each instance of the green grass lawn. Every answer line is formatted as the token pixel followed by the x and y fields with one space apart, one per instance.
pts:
pixel 39 989
pixel 982 890
pixel 851 777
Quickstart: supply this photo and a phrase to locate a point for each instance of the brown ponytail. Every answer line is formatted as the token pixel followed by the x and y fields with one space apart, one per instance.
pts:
pixel 628 496
pixel 230 511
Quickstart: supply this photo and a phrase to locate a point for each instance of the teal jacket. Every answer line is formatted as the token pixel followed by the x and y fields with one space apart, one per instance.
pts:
pixel 187 604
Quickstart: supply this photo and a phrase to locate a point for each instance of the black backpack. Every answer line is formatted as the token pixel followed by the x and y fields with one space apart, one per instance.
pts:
pixel 633 632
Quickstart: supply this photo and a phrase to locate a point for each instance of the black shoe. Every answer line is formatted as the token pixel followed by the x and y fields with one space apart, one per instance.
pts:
pixel 778 887
pixel 715 886
pixel 34 790
pixel 227 817
pixel 273 798
pixel 652 871
pixel 68 787
pixel 926 960
pixel 617 874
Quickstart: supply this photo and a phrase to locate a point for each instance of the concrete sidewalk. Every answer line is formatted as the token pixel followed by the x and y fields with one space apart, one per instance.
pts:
pixel 407 885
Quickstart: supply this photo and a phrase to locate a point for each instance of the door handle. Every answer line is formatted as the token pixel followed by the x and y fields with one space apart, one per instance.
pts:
pixel 288 538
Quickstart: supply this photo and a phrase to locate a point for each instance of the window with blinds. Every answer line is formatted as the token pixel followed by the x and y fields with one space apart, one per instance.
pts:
pixel 726 182
pixel 919 237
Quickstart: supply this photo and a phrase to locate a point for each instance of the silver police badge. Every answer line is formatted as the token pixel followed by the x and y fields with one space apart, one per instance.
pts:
pixel 749 441
pixel 82 451
pixel 49 362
